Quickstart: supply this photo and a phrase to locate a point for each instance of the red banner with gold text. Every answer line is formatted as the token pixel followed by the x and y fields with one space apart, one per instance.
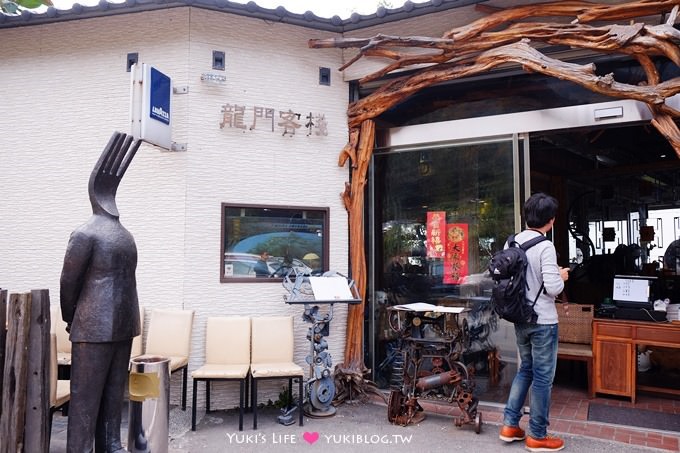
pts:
pixel 456 259
pixel 436 234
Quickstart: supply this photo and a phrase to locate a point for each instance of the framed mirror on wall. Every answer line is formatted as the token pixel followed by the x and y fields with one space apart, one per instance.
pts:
pixel 262 243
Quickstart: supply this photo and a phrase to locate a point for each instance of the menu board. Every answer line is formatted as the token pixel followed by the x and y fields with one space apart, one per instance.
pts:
pixel 330 288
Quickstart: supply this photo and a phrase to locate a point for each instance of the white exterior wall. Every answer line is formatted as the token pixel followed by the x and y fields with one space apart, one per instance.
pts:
pixel 431 25
pixel 66 90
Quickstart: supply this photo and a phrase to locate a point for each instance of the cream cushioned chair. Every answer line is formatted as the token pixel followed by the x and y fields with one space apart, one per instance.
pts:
pixel 60 390
pixel 272 343
pixel 227 358
pixel 170 336
pixel 137 344
pixel 58 327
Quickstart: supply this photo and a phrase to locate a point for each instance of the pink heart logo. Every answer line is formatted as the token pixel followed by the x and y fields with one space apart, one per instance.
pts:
pixel 310 437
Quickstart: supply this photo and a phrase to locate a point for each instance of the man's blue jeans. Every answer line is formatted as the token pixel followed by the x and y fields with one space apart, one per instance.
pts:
pixel 537 345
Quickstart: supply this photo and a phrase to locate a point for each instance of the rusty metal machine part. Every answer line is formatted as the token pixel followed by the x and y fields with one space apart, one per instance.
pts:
pixel 432 345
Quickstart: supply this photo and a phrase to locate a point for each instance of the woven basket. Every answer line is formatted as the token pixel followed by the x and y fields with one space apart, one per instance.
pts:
pixel 576 326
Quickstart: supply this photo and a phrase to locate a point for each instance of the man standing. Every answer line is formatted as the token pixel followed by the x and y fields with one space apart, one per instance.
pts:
pixel 261 267
pixel 537 342
pixel 99 305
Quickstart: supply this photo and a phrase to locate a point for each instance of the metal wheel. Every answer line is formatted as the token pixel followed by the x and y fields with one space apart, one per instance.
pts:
pixel 321 393
pixel 478 422
pixel 462 370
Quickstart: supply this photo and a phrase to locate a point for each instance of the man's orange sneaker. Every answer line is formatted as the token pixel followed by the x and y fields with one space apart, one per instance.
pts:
pixel 548 443
pixel 511 433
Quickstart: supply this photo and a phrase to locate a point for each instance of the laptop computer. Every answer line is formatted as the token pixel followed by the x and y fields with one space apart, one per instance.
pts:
pixel 634 298
pixel 631 291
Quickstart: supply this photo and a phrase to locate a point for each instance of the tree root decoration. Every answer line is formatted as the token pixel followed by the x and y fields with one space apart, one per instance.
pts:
pixel 353 387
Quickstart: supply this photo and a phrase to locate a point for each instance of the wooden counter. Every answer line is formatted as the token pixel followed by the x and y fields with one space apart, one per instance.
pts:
pixel 615 353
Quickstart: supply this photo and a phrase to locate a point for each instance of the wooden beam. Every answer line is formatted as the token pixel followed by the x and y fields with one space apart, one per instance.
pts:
pixel 487 9
pixel 15 377
pixel 3 338
pixel 36 427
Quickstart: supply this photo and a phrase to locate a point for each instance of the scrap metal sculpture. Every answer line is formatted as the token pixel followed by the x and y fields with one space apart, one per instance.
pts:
pixel 320 386
pixel 99 305
pixel 432 345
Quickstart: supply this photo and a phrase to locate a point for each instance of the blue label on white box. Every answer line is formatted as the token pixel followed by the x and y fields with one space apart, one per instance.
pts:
pixel 160 97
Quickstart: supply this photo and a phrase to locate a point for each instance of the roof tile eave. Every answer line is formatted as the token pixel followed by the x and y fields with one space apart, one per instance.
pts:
pixel 307 19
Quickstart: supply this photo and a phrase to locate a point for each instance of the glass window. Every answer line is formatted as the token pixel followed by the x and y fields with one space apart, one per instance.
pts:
pixel 439 214
pixel 265 243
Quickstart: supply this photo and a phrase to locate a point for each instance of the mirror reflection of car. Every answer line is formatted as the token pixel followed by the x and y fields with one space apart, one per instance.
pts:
pixel 240 264
pixel 280 267
pixel 244 265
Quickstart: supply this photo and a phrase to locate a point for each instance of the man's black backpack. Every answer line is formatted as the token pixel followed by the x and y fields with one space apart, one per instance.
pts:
pixel 508 269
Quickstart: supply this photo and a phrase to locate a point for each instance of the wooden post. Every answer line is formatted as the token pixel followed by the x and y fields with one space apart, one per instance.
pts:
pixel 36 427
pixel 3 337
pixel 354 352
pixel 16 367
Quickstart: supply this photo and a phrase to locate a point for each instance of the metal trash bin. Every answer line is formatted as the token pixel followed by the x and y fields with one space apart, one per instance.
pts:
pixel 149 409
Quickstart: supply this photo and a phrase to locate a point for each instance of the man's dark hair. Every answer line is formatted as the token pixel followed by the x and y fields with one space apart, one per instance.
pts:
pixel 539 209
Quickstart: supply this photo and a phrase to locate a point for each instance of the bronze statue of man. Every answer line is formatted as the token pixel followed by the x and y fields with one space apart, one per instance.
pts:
pixel 99 305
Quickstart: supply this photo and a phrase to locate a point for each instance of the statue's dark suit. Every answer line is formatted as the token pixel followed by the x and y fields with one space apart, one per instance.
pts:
pixel 99 304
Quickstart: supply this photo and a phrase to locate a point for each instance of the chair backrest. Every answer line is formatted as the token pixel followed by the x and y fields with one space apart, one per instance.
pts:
pixel 227 340
pixel 54 370
pixel 170 332
pixel 58 327
pixel 137 343
pixel 272 339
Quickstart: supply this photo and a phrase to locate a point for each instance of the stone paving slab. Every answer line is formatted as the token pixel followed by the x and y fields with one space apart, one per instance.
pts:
pixel 354 428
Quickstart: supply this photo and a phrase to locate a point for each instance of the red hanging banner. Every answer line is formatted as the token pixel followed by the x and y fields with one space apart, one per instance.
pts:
pixel 456 259
pixel 436 239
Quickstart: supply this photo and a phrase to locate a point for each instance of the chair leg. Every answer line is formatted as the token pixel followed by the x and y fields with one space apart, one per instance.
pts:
pixel 300 401
pixel 290 393
pixel 241 385
pixel 247 394
pixel 184 387
pixel 193 406
pixel 207 396
pixel 254 402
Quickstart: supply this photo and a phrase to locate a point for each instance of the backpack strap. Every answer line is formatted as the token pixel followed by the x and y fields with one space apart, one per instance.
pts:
pixel 531 242
pixel 526 246
pixel 534 318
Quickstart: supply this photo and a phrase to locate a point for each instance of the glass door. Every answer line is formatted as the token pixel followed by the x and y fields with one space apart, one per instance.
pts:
pixel 436 216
